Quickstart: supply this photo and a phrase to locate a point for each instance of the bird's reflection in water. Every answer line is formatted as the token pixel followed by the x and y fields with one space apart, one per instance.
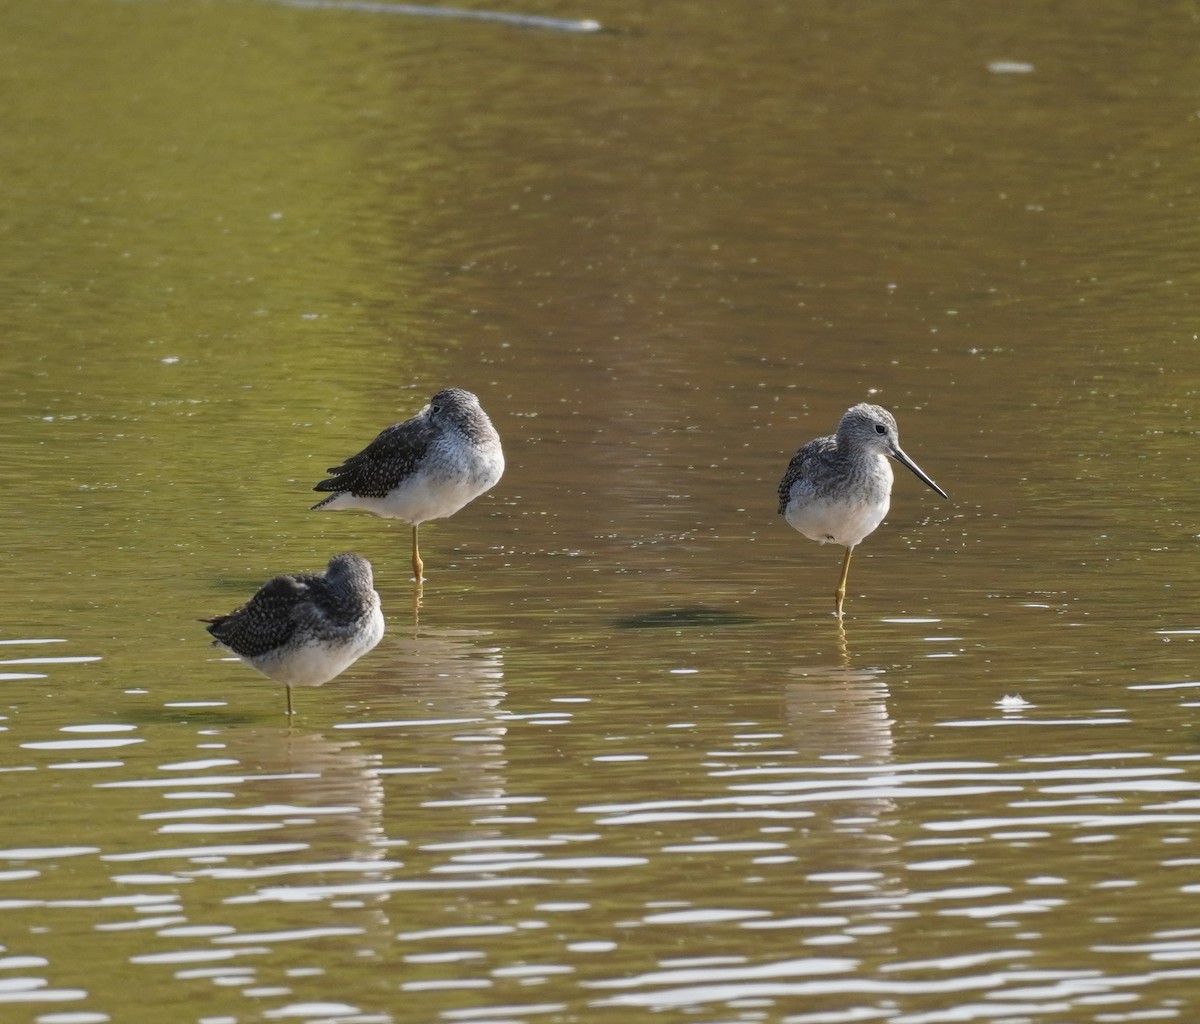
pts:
pixel 450 671
pixel 435 702
pixel 415 770
pixel 842 713
pixel 328 788
pixel 837 717
pixel 307 813
pixel 841 710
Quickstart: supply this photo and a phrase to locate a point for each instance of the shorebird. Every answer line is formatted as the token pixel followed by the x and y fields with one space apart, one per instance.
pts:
pixel 304 630
pixel 425 468
pixel 838 488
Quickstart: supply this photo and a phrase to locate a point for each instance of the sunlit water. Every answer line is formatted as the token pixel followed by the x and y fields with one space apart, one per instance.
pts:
pixel 621 763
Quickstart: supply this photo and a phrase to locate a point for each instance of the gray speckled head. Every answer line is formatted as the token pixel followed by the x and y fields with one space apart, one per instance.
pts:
pixel 868 427
pixel 456 406
pixel 349 566
pixel 871 428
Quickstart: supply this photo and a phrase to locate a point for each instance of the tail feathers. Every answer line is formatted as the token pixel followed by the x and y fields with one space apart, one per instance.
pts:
pixel 326 501
pixel 337 482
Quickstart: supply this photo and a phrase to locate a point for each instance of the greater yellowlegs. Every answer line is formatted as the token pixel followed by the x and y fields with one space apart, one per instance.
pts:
pixel 304 630
pixel 838 488
pixel 425 468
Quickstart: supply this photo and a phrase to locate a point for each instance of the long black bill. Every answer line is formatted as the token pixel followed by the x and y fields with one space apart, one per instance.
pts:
pixel 917 471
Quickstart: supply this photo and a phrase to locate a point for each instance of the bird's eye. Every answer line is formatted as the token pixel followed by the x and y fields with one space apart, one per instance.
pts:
pixel 880 428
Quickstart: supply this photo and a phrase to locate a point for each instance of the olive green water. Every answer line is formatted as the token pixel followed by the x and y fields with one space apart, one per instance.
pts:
pixel 622 764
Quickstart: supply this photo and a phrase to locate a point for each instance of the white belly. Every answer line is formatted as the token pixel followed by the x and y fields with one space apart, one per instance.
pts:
pixel 314 663
pixel 443 485
pixel 834 521
pixel 414 501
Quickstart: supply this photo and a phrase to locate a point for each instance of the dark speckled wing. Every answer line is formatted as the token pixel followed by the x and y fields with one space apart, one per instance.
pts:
pixel 385 462
pixel 812 461
pixel 267 620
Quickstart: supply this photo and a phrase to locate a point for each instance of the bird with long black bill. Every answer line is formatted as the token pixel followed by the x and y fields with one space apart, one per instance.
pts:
pixel 837 489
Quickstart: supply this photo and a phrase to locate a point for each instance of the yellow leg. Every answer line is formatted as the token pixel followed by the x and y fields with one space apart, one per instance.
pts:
pixel 418 565
pixel 839 596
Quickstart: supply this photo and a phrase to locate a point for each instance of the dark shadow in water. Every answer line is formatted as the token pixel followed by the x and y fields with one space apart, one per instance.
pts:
pixel 224 714
pixel 677 618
